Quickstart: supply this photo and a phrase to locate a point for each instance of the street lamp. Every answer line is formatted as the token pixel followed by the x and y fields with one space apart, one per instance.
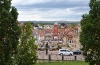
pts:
pixel 46 48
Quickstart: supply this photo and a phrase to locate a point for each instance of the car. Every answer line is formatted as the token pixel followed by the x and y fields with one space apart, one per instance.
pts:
pixel 77 52
pixel 65 52
pixel 41 48
pixel 51 48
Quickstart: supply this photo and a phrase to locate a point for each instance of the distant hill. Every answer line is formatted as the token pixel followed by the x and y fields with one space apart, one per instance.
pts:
pixel 52 22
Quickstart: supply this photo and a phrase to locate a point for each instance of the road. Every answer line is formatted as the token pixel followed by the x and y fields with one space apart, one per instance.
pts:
pixel 54 56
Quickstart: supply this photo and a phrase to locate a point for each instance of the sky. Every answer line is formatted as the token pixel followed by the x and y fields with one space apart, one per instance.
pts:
pixel 51 10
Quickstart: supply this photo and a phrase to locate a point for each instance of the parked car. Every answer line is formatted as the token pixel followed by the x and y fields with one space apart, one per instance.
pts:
pixel 65 52
pixel 51 48
pixel 41 48
pixel 77 52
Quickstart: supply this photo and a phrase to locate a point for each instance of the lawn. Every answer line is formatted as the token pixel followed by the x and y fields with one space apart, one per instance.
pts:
pixel 63 63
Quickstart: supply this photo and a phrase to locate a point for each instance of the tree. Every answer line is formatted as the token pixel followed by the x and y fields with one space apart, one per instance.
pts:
pixel 73 25
pixel 90 34
pixel 9 32
pixel 63 24
pixel 26 48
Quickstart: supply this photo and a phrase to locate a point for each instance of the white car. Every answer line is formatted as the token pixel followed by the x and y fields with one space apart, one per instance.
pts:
pixel 65 52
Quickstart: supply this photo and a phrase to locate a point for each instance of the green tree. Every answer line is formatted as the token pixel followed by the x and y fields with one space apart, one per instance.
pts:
pixel 26 48
pixel 63 24
pixel 90 34
pixel 73 25
pixel 9 32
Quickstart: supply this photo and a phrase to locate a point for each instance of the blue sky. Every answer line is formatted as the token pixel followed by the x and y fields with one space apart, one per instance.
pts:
pixel 51 10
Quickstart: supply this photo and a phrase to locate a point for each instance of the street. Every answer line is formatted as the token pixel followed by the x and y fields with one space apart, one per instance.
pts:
pixel 54 56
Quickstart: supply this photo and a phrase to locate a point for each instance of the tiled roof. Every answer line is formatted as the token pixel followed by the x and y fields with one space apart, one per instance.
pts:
pixel 40 32
pixel 76 27
pixel 70 34
pixel 62 30
pixel 48 30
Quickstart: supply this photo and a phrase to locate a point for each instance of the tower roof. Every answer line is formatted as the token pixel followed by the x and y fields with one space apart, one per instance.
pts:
pixel 56 23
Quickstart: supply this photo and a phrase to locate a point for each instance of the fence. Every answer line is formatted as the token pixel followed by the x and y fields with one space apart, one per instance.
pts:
pixel 56 57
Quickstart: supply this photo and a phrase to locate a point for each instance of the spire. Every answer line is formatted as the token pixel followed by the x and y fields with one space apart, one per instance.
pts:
pixel 56 23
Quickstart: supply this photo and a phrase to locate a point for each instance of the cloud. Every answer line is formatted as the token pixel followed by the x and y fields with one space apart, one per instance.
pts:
pixel 51 9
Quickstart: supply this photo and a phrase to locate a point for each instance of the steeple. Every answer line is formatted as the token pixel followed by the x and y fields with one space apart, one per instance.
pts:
pixel 56 23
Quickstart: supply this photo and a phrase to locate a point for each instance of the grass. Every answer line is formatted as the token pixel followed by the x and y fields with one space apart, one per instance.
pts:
pixel 63 63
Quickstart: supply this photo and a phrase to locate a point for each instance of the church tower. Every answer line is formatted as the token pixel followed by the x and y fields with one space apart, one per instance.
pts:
pixel 55 30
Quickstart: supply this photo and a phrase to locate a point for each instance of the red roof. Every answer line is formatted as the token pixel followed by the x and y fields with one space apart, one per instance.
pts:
pixel 76 27
pixel 40 32
pixel 48 30
pixel 70 34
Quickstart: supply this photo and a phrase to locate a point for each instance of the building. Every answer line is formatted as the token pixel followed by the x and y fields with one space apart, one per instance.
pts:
pixel 54 35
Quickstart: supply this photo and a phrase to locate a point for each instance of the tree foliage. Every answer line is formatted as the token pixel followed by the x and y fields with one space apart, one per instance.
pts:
pixel 26 48
pixel 9 32
pixel 90 34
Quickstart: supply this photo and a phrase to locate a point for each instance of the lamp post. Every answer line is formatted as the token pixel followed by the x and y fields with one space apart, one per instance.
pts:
pixel 46 48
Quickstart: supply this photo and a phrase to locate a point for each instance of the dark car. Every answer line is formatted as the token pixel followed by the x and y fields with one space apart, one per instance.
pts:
pixel 77 52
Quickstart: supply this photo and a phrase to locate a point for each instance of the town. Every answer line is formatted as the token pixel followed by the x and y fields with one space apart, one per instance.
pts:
pixel 49 32
pixel 57 36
